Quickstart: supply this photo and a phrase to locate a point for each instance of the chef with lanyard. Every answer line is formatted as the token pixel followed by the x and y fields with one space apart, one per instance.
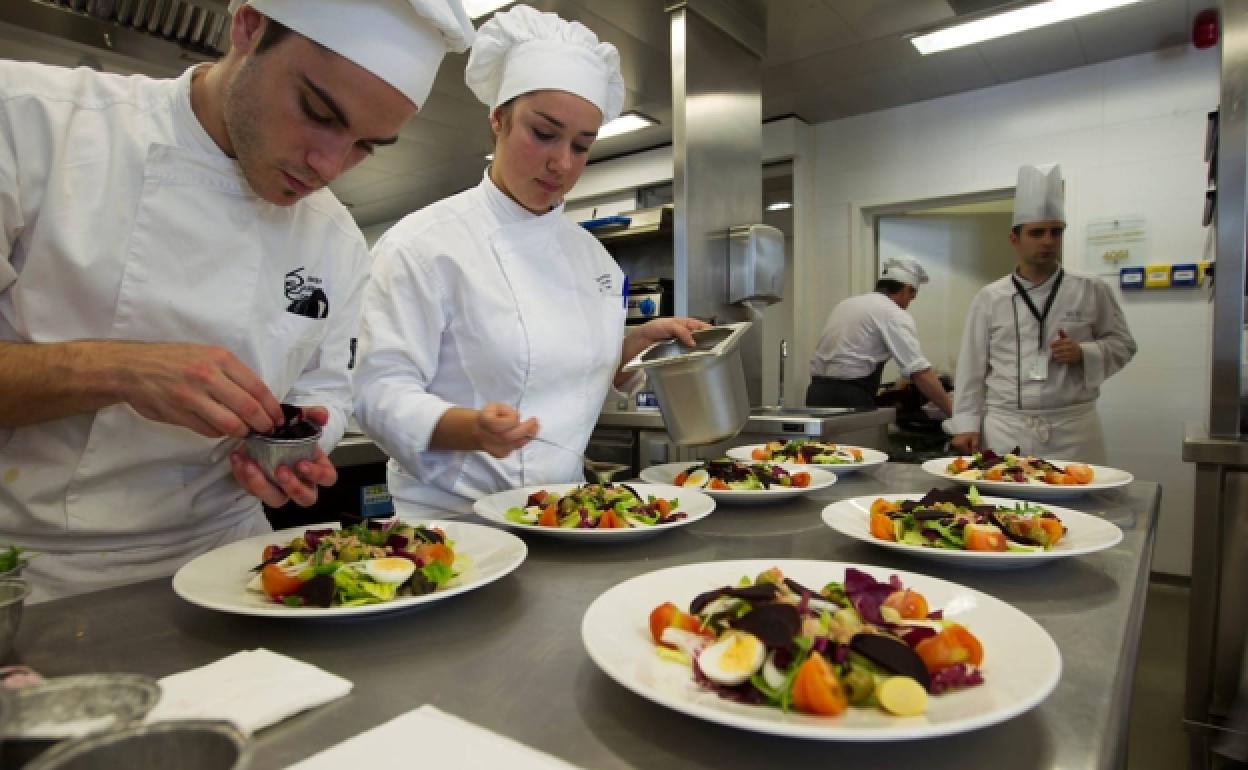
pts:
pixel 174 268
pixel 491 317
pixel 862 333
pixel 1038 343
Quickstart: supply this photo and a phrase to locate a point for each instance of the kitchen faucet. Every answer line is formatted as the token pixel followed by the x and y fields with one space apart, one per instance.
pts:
pixel 784 354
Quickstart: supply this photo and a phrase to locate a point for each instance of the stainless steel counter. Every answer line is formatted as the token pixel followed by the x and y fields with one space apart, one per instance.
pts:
pixel 508 656
pixel 768 420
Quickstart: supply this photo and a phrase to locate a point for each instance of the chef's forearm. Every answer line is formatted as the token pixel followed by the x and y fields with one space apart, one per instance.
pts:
pixel 929 385
pixel 456 430
pixel 42 382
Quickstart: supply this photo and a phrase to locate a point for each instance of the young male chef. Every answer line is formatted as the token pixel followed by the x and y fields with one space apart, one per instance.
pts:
pixel 1038 343
pixel 862 333
pixel 173 268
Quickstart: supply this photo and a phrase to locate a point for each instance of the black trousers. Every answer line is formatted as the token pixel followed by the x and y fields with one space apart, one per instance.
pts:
pixel 828 391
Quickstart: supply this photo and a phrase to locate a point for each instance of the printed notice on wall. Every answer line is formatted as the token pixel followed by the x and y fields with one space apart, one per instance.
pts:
pixel 1115 243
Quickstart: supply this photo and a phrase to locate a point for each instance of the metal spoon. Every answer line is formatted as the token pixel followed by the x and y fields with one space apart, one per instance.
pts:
pixel 595 471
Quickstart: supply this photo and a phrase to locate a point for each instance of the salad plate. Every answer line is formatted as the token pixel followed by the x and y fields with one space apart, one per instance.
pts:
pixel 1102 478
pixel 692 503
pixel 843 460
pixel 1085 534
pixel 218 579
pixel 667 473
pixel 618 639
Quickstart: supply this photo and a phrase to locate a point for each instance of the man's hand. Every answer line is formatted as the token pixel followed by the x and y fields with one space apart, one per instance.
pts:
pixel 965 443
pixel 1065 350
pixel 500 431
pixel 298 483
pixel 201 387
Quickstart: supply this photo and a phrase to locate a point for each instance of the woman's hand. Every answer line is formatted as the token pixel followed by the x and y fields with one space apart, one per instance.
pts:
pixel 658 330
pixel 499 430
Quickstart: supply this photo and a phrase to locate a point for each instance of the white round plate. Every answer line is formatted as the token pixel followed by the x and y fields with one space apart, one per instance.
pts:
pixel 690 501
pixel 218 579
pixel 870 459
pixel 616 633
pixel 819 479
pixel 1102 478
pixel 1084 534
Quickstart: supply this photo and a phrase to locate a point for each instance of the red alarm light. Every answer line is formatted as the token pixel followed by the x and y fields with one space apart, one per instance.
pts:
pixel 1205 29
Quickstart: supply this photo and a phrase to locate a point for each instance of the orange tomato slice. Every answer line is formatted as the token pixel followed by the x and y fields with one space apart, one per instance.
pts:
pixel 439 552
pixel 952 645
pixel 549 516
pixel 277 583
pixel 816 690
pixel 1079 473
pixel 983 537
pixel 882 526
pixel 668 615
pixel 800 479
pixel 909 604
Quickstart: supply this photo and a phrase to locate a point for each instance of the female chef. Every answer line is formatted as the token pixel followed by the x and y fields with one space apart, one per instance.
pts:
pixel 491 305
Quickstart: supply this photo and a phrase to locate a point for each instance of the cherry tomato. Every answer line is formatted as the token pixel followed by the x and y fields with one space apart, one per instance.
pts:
pixel 668 615
pixel 952 645
pixel 549 516
pixel 610 520
pixel 816 690
pixel 1052 527
pixel 983 537
pixel 800 479
pixel 909 604
pixel 1079 473
pixel 883 506
pixel 882 526
pixel 439 552
pixel 277 583
pixel 680 479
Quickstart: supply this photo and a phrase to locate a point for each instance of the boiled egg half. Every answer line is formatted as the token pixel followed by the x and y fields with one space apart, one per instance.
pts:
pixel 698 478
pixel 733 658
pixel 391 569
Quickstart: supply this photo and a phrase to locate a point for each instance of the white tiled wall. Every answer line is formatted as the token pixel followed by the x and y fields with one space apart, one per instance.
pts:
pixel 1129 135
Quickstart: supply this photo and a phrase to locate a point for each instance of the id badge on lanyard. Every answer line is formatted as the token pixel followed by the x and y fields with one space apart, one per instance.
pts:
pixel 1038 370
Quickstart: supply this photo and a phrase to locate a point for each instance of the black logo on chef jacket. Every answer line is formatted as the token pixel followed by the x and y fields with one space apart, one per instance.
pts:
pixel 306 296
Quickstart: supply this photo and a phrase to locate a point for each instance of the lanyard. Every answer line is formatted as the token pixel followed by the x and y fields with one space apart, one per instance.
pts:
pixel 1048 304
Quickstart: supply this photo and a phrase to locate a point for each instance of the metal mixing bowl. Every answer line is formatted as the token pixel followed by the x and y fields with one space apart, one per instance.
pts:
pixel 72 706
pixel 188 744
pixel 269 453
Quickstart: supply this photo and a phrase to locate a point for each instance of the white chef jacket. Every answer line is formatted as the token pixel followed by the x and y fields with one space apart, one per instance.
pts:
pixel 123 220
pixel 863 332
pixel 993 388
pixel 475 299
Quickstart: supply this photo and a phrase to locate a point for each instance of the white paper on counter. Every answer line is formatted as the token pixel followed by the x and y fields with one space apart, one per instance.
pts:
pixel 252 688
pixel 444 741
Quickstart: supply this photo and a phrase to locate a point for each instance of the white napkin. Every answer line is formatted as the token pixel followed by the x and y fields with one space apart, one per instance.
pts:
pixel 253 689
pixel 450 744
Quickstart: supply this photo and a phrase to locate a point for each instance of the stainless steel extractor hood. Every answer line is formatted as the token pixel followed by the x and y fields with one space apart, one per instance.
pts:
pixel 157 37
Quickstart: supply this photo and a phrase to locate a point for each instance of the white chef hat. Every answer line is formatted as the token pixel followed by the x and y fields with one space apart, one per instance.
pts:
pixel 905 269
pixel 400 41
pixel 525 50
pixel 1039 195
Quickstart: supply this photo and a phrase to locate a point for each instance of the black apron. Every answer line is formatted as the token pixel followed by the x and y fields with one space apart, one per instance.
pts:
pixel 830 391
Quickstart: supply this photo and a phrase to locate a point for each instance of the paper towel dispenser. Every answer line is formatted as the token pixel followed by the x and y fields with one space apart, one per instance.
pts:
pixel 755 264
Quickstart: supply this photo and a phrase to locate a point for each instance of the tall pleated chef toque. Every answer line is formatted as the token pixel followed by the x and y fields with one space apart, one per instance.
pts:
pixel 905 269
pixel 1040 195
pixel 525 50
pixel 400 41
